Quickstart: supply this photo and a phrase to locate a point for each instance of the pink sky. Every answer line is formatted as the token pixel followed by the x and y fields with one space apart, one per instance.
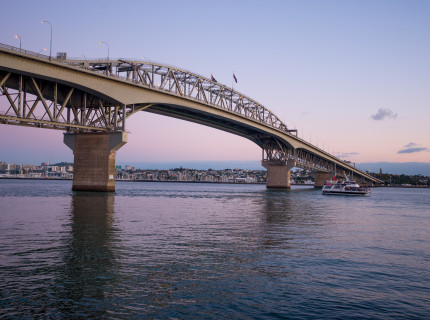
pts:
pixel 352 77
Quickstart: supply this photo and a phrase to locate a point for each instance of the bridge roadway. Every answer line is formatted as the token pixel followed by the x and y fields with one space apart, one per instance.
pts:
pixel 92 98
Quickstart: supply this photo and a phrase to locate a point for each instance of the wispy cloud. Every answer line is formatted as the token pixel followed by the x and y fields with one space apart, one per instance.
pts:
pixel 347 154
pixel 384 114
pixel 412 147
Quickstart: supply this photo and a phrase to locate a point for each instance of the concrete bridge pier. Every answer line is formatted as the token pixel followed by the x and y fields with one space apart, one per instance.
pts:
pixel 321 177
pixel 278 173
pixel 94 159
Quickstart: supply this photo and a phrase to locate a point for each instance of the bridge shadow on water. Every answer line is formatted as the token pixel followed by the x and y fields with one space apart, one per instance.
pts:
pixel 88 272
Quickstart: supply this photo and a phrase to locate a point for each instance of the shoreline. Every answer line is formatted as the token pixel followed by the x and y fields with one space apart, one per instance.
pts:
pixel 213 182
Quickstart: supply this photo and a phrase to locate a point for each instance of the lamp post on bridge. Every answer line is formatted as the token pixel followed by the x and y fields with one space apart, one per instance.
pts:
pixel 107 47
pixel 18 37
pixel 50 43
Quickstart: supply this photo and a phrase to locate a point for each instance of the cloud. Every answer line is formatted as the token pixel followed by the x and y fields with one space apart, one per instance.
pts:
pixel 347 154
pixel 384 114
pixel 413 150
pixel 412 147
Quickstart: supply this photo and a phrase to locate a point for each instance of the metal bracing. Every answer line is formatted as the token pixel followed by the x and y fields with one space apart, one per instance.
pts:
pixel 183 83
pixel 275 150
pixel 28 101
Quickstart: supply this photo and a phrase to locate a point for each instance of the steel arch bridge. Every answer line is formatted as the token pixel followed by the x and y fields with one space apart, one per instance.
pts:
pixel 96 95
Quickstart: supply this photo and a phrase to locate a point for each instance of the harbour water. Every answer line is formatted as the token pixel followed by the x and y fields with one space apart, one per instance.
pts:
pixel 212 251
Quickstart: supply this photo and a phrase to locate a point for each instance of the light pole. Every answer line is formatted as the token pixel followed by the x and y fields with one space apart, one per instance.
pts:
pixel 50 44
pixel 43 50
pixel 18 37
pixel 107 47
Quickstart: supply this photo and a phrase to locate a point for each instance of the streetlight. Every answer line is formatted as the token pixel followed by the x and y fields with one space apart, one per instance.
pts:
pixel 44 49
pixel 18 37
pixel 107 47
pixel 50 44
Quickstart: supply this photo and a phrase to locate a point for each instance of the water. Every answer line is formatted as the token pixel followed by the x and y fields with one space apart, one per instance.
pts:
pixel 181 251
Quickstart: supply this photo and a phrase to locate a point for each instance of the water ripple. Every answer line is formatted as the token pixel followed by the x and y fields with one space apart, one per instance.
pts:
pixel 175 251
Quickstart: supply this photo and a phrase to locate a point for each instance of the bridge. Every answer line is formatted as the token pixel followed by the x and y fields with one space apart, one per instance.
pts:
pixel 91 99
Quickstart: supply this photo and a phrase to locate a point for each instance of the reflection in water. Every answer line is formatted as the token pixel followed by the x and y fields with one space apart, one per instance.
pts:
pixel 219 250
pixel 176 251
pixel 89 266
pixel 288 218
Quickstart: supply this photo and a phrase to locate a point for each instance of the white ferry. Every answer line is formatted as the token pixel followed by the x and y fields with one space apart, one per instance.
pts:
pixel 344 187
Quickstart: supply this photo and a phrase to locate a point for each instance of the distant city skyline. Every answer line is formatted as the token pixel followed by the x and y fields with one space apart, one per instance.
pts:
pixel 351 77
pixel 407 168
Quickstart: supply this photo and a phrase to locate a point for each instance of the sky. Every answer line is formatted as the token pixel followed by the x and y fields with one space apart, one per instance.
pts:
pixel 353 77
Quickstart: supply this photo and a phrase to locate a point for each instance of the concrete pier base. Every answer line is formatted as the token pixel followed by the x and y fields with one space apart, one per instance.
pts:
pixel 94 159
pixel 320 178
pixel 278 173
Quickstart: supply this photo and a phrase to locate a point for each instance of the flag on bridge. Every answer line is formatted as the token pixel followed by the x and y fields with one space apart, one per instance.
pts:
pixel 213 79
pixel 234 77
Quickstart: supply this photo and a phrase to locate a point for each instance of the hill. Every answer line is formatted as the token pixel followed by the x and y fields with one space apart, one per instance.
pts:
pixel 407 168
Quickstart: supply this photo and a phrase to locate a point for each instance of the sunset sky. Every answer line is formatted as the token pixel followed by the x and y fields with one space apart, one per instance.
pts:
pixel 352 76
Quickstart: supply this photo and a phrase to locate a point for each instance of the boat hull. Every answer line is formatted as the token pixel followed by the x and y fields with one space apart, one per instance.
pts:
pixel 345 193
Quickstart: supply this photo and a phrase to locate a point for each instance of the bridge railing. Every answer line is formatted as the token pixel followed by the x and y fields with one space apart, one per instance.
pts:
pixel 27 52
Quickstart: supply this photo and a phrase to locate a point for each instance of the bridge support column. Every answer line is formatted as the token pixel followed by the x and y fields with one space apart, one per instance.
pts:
pixel 320 178
pixel 94 159
pixel 278 173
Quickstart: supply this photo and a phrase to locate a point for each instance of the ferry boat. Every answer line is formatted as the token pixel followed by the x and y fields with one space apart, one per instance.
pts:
pixel 344 187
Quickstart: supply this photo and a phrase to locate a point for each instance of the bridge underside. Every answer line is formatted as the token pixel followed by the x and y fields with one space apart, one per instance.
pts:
pixel 210 120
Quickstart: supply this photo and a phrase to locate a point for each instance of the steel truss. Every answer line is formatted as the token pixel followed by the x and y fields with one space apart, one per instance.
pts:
pixel 28 101
pixel 185 84
pixel 275 150
pixel 159 77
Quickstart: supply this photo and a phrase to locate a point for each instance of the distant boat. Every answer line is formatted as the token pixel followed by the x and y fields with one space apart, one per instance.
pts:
pixel 344 187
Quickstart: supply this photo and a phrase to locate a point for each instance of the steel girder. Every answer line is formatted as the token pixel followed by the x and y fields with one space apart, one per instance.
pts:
pixel 186 84
pixel 28 101
pixel 275 150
